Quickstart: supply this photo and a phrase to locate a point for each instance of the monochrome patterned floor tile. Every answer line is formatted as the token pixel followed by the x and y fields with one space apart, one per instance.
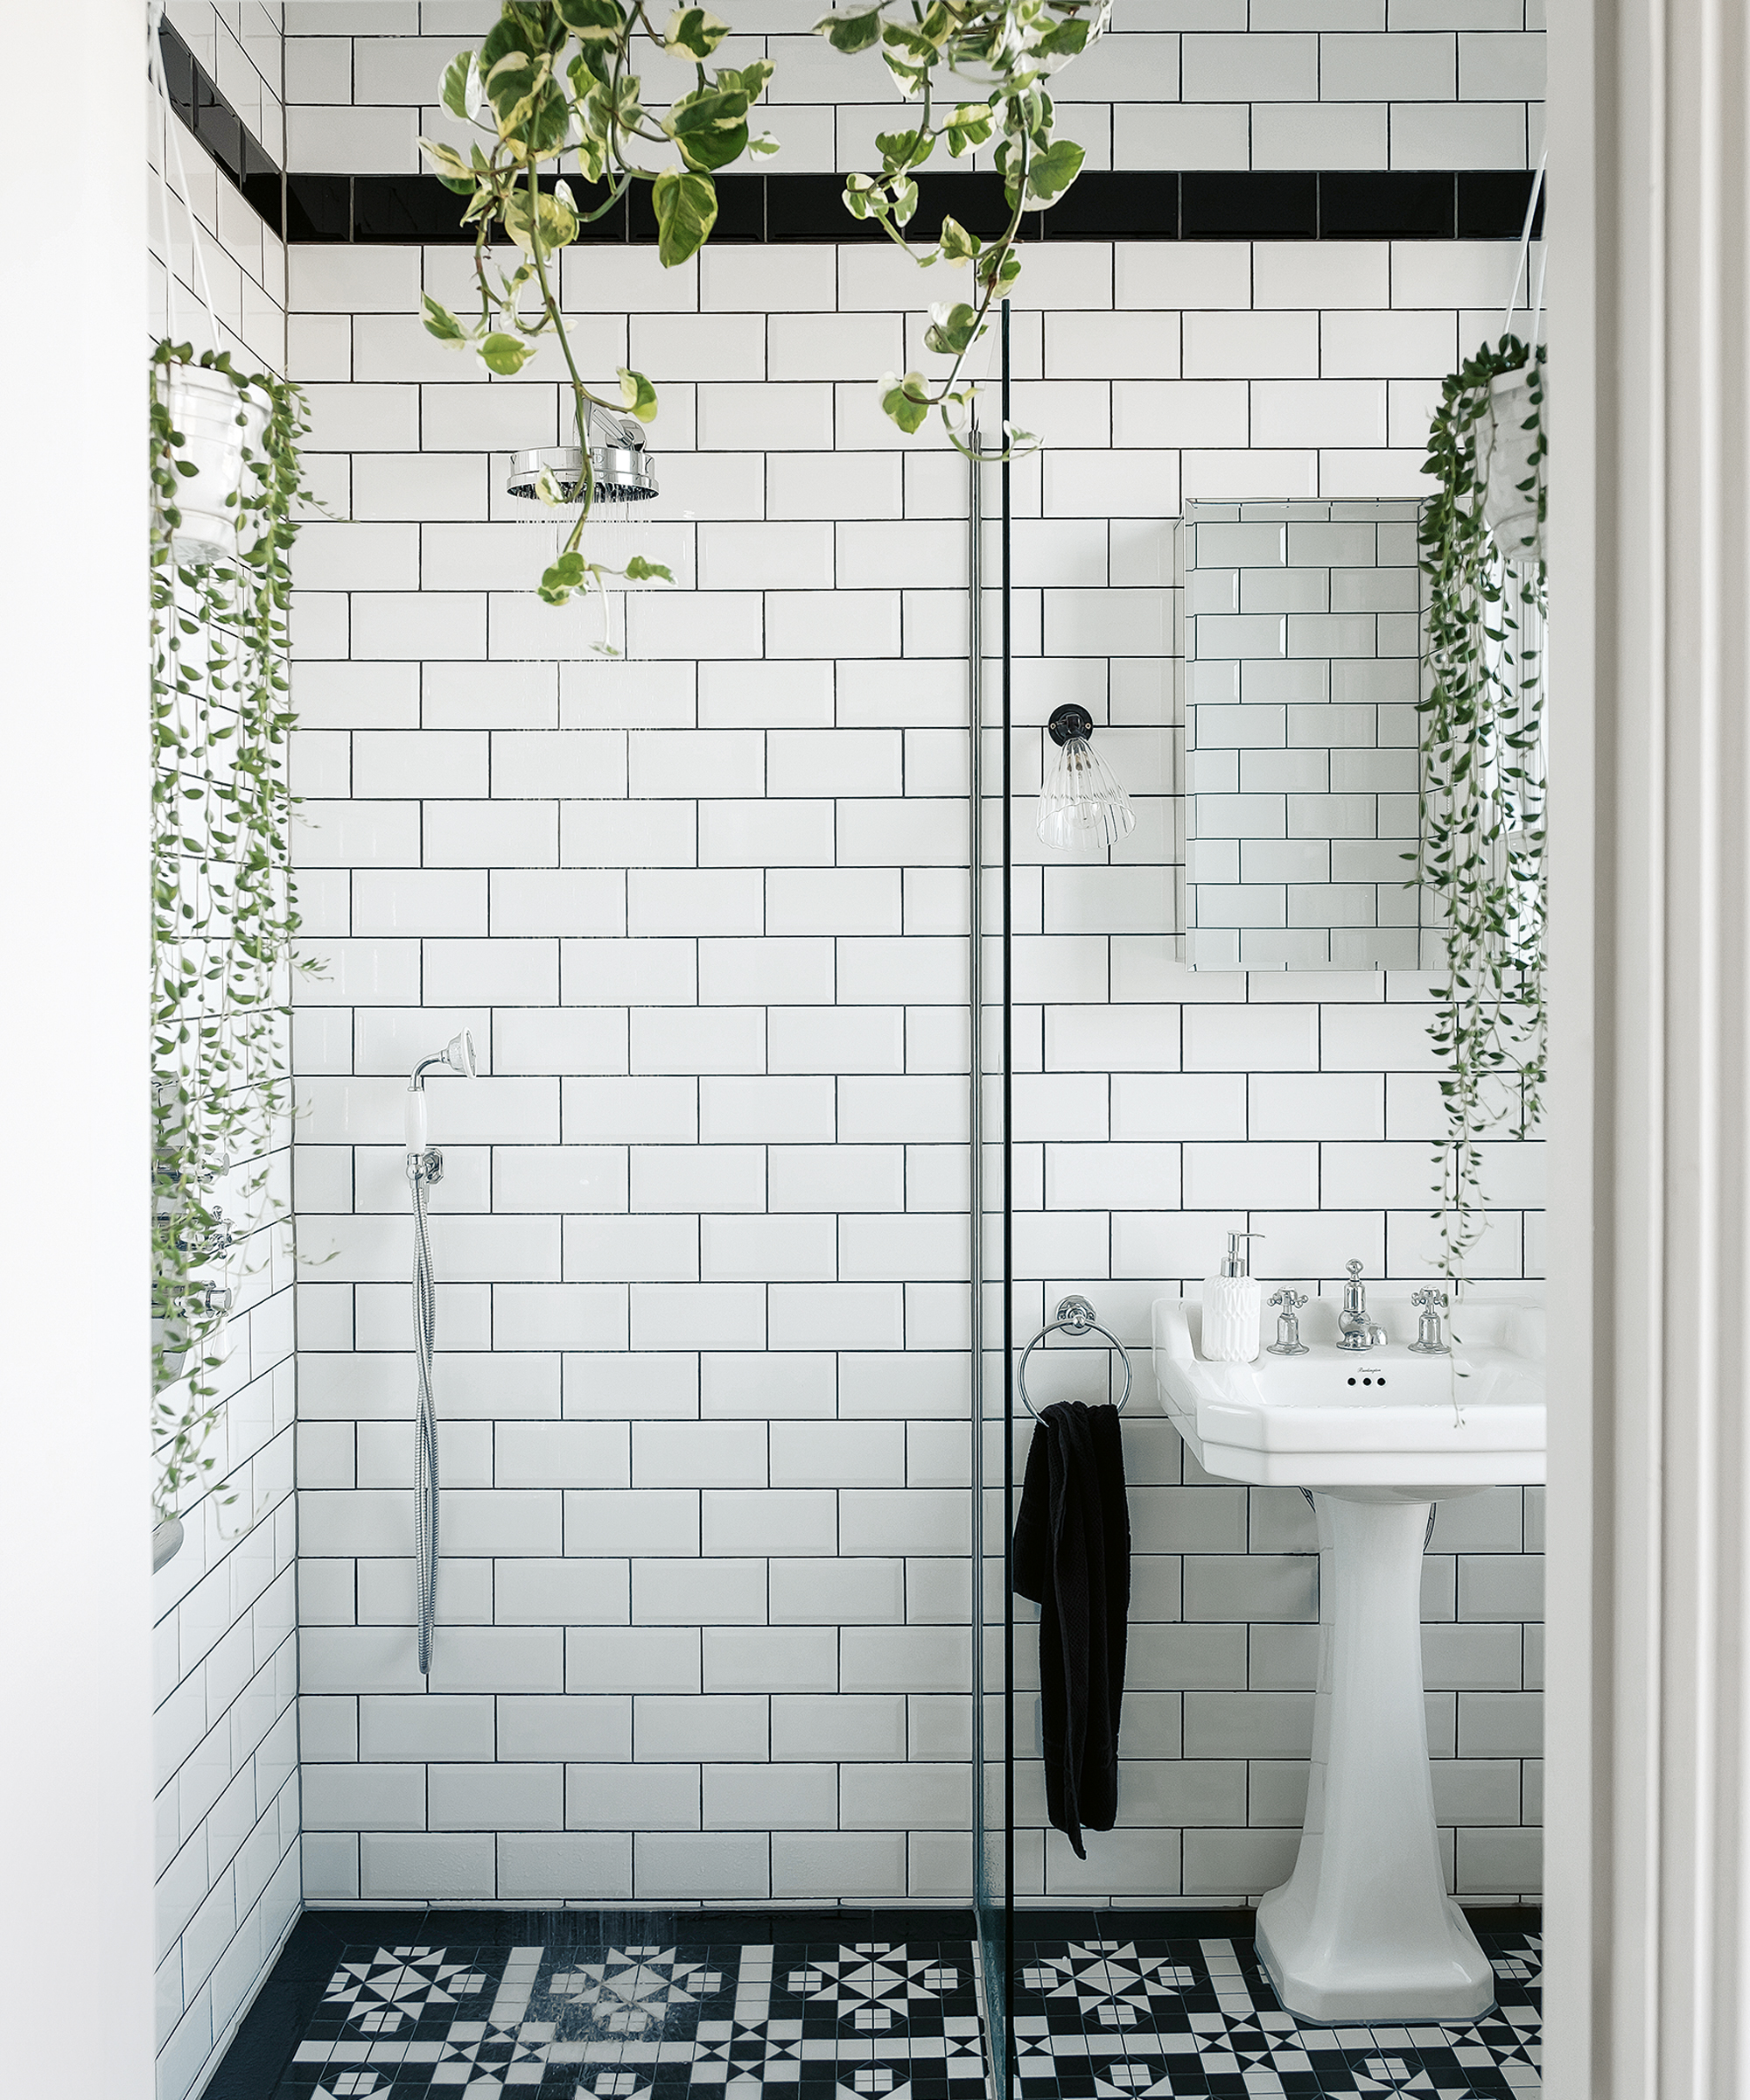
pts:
pixel 874 2020
pixel 1145 2019
pixel 1093 2019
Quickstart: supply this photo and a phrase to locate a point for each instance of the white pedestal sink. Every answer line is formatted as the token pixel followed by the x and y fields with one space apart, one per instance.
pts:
pixel 1364 1930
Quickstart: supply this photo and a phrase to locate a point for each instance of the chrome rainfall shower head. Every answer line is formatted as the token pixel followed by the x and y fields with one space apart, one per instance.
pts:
pixel 622 466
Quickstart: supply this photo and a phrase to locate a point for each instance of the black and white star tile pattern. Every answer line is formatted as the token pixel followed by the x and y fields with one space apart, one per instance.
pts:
pixel 877 2020
pixel 1093 2019
pixel 1146 2018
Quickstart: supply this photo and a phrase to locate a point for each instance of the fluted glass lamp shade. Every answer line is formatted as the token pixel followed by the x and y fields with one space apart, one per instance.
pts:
pixel 1084 808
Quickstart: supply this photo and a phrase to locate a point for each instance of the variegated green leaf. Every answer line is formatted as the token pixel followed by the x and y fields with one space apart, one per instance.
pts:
pixel 851 33
pixel 638 394
pixel 694 32
pixel 440 322
pixel 505 354
pixel 905 401
pixel 686 210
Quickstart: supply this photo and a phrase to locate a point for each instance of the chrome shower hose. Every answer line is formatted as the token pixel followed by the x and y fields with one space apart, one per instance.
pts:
pixel 425 1422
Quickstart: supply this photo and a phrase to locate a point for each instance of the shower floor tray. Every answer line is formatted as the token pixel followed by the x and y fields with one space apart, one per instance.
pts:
pixel 580 2005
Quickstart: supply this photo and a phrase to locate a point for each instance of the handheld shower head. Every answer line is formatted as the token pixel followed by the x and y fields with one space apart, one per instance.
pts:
pixel 457 1056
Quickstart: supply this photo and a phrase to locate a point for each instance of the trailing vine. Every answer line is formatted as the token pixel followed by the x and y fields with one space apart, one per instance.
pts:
pixel 1010 48
pixel 535 99
pixel 223 908
pixel 554 82
pixel 1481 859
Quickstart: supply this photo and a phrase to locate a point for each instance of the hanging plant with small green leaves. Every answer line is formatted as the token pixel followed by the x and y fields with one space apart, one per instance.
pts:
pixel 223 913
pixel 553 80
pixel 1007 50
pixel 1481 863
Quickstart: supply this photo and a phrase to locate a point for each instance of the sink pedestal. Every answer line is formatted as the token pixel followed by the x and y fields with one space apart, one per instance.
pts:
pixel 1364 1929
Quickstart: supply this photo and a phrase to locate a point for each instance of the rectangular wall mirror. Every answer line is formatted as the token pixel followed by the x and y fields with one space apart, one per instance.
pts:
pixel 1303 643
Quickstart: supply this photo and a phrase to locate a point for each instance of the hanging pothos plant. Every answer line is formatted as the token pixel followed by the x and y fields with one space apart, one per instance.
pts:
pixel 555 81
pixel 223 911
pixel 1480 862
pixel 1008 49
pixel 555 78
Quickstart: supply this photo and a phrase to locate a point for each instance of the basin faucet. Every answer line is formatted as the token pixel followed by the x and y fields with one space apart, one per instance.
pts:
pixel 1428 1341
pixel 1358 1331
pixel 1288 1341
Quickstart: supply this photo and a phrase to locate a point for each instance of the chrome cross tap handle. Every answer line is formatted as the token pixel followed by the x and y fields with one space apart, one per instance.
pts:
pixel 1428 1342
pixel 1358 1331
pixel 1288 1341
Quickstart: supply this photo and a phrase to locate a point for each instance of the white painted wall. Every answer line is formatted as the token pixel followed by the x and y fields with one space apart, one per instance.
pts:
pixel 224 1609
pixel 75 1634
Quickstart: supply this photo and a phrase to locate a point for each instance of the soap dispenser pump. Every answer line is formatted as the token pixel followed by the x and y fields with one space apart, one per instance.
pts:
pixel 1231 1306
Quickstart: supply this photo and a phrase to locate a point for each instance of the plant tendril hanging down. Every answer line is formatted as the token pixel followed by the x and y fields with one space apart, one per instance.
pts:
pixel 224 914
pixel 1008 48
pixel 554 78
pixel 1480 861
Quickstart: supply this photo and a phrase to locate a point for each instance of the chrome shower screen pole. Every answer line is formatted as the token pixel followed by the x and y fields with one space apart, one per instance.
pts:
pixel 993 1835
pixel 1007 2078
pixel 975 687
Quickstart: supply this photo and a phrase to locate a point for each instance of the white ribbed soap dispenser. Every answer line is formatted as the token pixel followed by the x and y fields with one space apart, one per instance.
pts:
pixel 1231 1303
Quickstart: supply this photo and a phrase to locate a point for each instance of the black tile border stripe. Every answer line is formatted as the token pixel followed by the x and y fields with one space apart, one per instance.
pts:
pixel 1469 204
pixel 1245 204
pixel 233 147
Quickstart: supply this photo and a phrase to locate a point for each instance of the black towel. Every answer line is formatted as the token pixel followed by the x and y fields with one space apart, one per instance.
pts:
pixel 1073 1559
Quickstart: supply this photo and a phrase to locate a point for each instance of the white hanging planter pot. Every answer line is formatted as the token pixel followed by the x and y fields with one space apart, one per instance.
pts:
pixel 170 1343
pixel 217 422
pixel 1515 482
pixel 166 1543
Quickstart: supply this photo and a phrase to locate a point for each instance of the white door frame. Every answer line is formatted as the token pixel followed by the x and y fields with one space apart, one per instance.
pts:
pixel 1648 1881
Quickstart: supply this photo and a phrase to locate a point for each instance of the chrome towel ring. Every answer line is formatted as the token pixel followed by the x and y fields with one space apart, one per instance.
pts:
pixel 1074 1316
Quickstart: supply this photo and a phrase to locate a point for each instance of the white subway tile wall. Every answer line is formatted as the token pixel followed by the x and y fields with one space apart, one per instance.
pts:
pixel 1172 84
pixel 224 1609
pixel 701 1237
